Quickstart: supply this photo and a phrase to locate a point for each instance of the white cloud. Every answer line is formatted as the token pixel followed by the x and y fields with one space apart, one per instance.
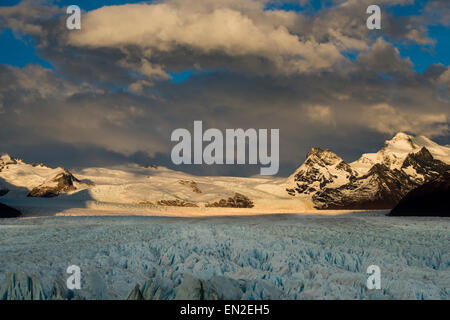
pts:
pixel 216 29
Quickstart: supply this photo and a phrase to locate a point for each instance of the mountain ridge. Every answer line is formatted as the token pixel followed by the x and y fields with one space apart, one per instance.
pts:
pixel 323 181
pixel 374 181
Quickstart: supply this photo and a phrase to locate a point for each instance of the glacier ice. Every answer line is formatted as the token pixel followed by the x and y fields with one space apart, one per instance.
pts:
pixel 254 257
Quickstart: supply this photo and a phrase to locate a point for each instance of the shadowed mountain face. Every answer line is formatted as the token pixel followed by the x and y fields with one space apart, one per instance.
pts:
pixel 429 199
pixel 8 212
pixel 380 188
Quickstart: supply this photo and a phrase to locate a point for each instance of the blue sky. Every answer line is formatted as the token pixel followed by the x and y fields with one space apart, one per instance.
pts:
pixel 423 56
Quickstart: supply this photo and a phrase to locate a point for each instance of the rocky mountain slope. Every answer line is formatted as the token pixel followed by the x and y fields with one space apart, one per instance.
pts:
pixel 376 180
pixel 18 178
pixel 63 182
pixel 321 168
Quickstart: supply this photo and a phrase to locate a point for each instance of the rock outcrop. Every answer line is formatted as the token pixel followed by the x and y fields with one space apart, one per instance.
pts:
pixel 237 201
pixel 380 188
pixel 191 184
pixel 175 203
pixel 62 183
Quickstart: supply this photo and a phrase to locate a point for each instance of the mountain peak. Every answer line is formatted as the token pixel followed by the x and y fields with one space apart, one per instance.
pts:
pixel 401 136
pixel 395 151
pixel 401 142
pixel 327 156
pixel 314 151
pixel 321 168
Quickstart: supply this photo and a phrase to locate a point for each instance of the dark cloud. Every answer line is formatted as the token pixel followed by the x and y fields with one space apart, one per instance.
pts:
pixel 113 103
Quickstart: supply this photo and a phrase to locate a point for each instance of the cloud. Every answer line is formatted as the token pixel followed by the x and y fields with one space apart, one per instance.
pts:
pixel 39 106
pixel 28 17
pixel 109 99
pixel 444 78
pixel 383 57
pixel 164 28
pixel 148 41
pixel 386 119
pixel 320 114
pixel 438 12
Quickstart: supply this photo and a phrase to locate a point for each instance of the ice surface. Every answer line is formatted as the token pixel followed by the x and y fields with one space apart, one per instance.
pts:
pixel 274 256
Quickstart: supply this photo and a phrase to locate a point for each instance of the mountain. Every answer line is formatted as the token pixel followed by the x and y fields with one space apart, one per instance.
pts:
pixel 137 189
pixel 394 152
pixel 429 199
pixel 18 178
pixel 380 188
pixel 422 166
pixel 376 180
pixel 324 181
pixel 63 182
pixel 322 168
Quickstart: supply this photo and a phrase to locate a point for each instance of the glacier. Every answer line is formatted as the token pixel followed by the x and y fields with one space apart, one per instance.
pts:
pixel 308 256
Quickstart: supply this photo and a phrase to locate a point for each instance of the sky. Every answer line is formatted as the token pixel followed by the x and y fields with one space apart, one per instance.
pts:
pixel 112 92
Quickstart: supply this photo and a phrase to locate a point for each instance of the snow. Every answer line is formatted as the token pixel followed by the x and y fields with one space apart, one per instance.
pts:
pixel 23 177
pixel 397 149
pixel 287 256
pixel 133 184
pixel 321 167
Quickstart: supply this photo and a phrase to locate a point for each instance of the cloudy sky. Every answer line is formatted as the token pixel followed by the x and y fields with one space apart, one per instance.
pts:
pixel 114 91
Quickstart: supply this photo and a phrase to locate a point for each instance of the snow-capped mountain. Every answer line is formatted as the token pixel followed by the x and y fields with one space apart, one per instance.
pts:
pixel 136 189
pixel 324 181
pixel 322 168
pixel 395 151
pixel 376 180
pixel 63 182
pixel 18 178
